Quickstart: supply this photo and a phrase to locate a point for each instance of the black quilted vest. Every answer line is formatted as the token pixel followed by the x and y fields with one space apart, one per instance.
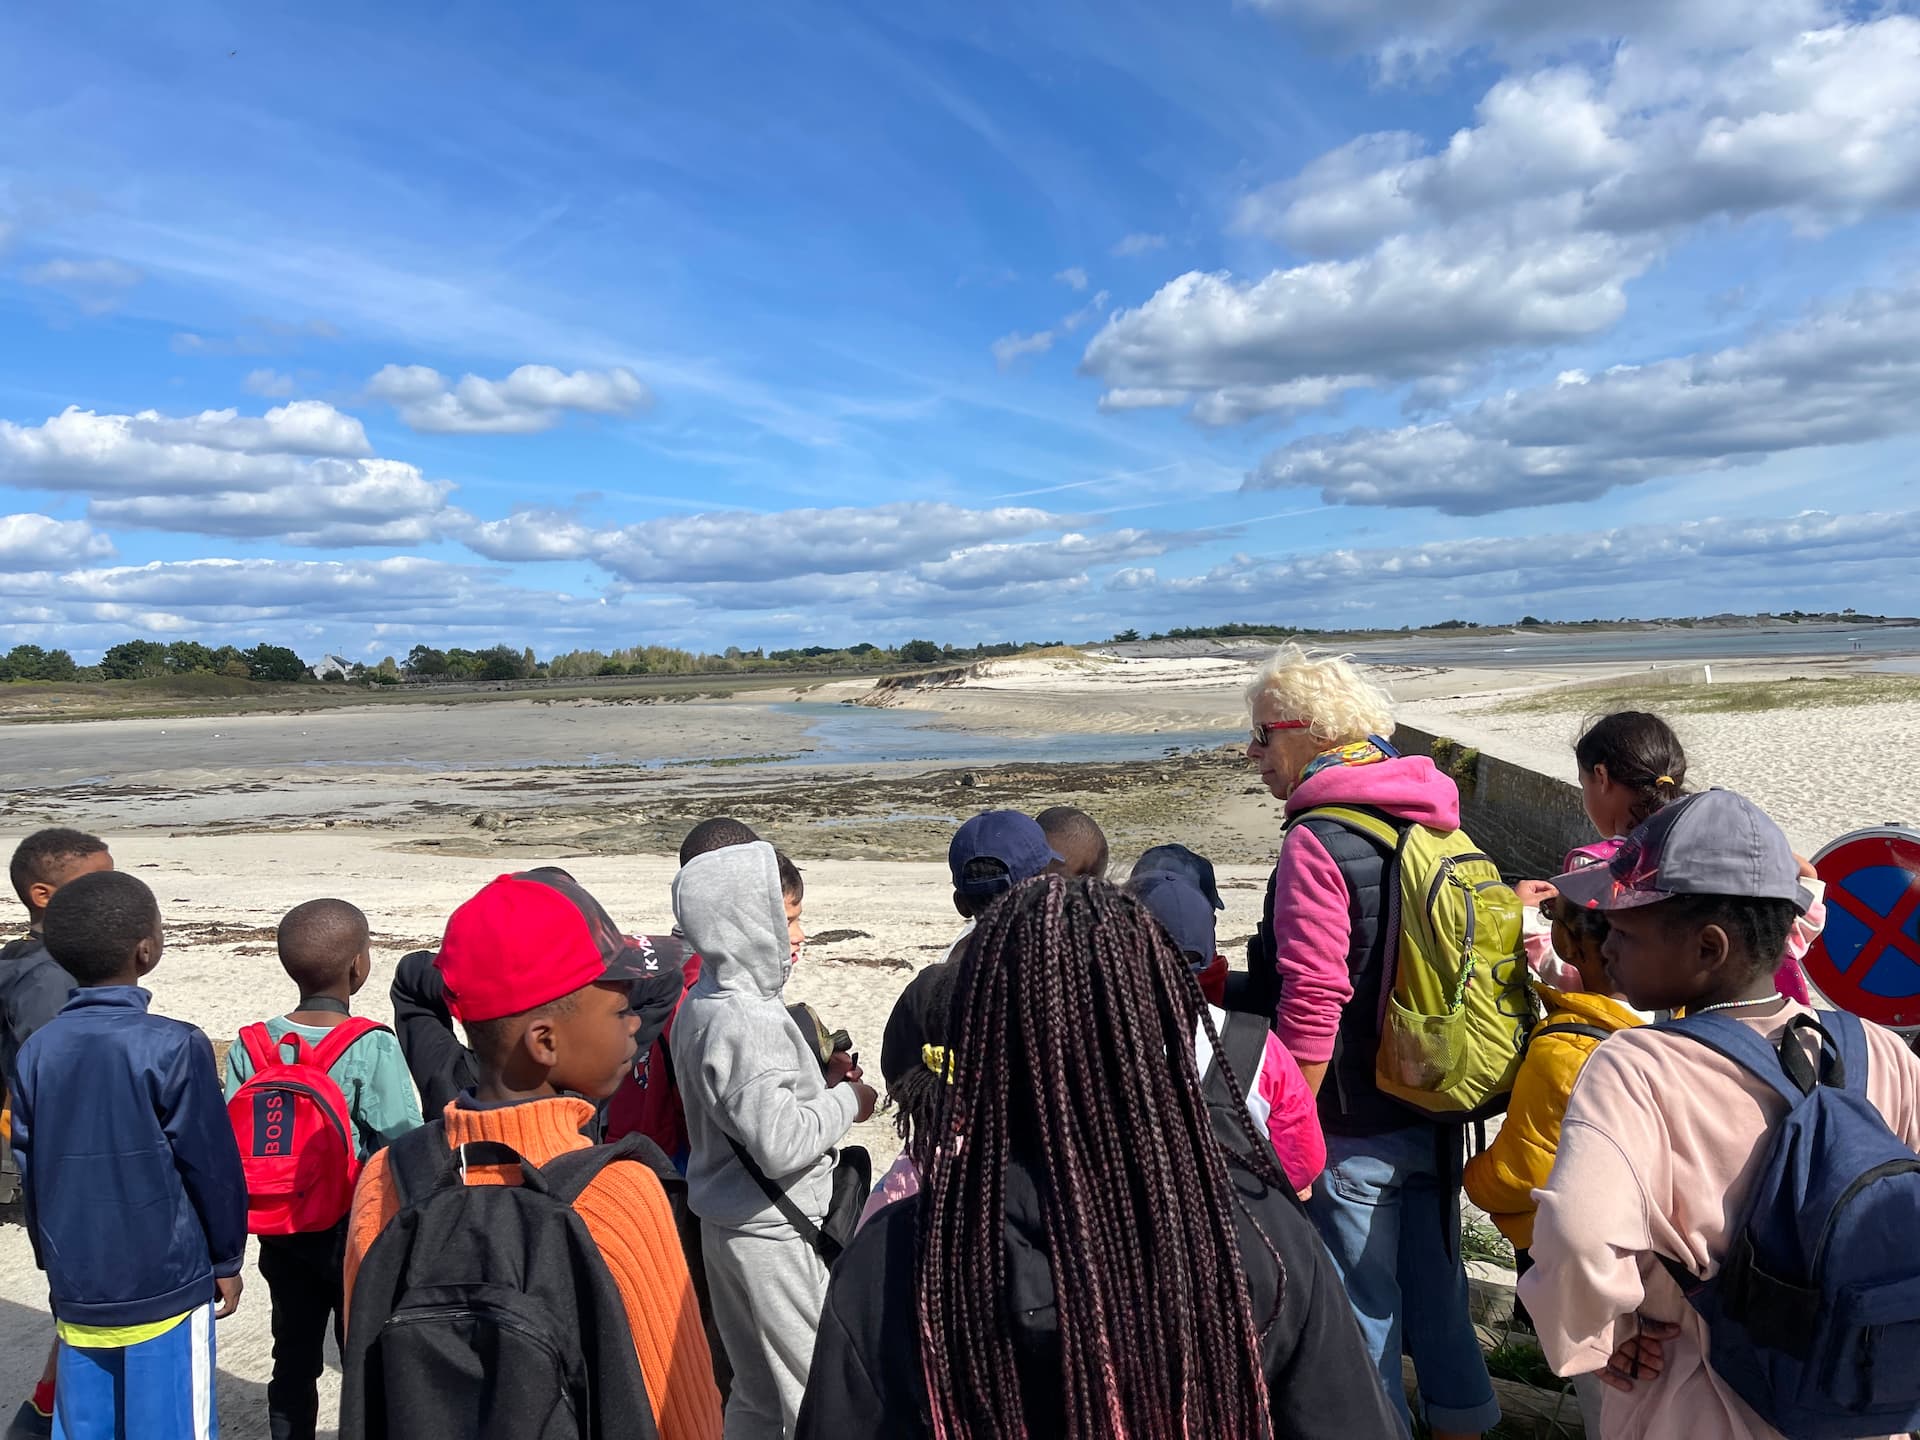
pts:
pixel 1350 1102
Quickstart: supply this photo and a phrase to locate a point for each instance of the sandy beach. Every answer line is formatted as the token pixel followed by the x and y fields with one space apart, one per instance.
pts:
pixel 407 811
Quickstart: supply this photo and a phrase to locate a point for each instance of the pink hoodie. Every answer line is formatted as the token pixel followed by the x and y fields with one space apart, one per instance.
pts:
pixel 1312 928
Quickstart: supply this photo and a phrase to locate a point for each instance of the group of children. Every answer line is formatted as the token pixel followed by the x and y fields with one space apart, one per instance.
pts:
pixel 662 1090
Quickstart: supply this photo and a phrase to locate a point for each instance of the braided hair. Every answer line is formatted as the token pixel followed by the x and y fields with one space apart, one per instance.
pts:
pixel 1641 753
pixel 1074 1023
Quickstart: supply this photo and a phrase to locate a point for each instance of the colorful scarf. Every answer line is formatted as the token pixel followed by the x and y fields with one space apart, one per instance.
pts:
pixel 1370 751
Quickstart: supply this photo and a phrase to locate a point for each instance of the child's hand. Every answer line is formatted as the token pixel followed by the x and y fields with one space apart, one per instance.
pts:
pixel 228 1290
pixel 868 1098
pixel 843 1068
pixel 1532 892
pixel 1641 1358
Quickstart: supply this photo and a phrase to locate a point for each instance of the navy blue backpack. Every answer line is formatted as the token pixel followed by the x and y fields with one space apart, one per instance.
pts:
pixel 1814 1319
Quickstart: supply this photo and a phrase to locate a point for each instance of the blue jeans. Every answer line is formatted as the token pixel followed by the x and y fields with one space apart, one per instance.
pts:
pixel 1392 1220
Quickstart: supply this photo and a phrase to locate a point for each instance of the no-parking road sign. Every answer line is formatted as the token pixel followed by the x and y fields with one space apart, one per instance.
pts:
pixel 1867 960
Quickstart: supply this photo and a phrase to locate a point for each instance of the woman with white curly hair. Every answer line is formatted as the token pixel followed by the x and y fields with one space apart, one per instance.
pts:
pixel 1389 1204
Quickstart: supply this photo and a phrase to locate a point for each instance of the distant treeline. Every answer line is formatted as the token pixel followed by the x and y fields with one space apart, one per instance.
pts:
pixel 152 660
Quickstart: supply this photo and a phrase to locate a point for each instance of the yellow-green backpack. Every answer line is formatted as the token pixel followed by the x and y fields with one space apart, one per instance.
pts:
pixel 1455 1004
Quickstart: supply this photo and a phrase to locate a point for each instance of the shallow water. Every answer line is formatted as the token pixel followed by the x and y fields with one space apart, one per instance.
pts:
pixel 860 735
pixel 1837 642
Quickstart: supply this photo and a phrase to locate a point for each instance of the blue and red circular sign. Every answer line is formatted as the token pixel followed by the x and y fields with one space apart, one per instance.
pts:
pixel 1867 959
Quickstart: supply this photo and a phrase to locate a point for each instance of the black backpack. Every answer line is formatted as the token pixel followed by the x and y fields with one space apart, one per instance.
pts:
pixel 1243 1040
pixel 486 1312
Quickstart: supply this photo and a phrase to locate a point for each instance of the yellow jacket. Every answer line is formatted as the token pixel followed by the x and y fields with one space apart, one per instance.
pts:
pixel 1502 1178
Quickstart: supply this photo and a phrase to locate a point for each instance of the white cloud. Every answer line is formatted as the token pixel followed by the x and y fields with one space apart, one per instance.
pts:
pixel 1685 567
pixel 96 286
pixel 300 473
pixel 1416 306
pixel 270 384
pixel 1073 277
pixel 531 399
pixel 1407 32
pixel 1823 126
pixel 1092 310
pixel 35 542
pixel 1008 350
pixel 1139 243
pixel 1848 372
pixel 751 546
pixel 371 502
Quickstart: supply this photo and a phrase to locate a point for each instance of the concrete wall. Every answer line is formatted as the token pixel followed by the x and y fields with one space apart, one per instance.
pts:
pixel 1525 820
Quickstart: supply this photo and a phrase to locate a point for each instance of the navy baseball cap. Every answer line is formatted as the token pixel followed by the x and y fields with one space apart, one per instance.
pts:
pixel 1014 839
pixel 1179 860
pixel 1713 843
pixel 1182 909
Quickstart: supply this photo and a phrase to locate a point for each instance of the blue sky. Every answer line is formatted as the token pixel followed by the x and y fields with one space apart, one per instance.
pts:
pixel 587 326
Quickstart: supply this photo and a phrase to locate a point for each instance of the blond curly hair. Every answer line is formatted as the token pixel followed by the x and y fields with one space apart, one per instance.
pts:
pixel 1339 701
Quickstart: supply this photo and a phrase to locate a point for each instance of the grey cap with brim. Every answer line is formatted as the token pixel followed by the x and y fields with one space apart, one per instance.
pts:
pixel 1713 843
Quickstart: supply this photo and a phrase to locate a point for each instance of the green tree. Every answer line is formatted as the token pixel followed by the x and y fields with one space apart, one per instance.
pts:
pixel 275 663
pixel 188 657
pixel 1126 637
pixel 30 662
pixel 920 652
pixel 424 660
pixel 134 660
pixel 502 662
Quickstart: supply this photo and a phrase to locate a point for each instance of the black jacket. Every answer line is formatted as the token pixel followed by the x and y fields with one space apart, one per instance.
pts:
pixel 866 1377
pixel 33 988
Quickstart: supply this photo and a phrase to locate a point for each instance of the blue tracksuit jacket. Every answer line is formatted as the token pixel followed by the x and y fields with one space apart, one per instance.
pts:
pixel 135 1197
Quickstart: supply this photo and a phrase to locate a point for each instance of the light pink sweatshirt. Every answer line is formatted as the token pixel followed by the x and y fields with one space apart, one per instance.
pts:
pixel 1312 927
pixel 1662 1144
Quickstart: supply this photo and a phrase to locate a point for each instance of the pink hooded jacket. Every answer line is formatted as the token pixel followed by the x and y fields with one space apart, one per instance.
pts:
pixel 1312 927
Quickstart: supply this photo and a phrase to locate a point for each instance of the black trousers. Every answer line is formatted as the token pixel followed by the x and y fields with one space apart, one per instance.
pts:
pixel 303 1275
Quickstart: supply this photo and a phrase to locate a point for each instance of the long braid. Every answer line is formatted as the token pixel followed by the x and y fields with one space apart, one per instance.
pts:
pixel 1074 1022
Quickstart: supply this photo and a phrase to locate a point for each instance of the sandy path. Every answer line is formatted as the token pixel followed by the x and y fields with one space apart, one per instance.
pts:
pixel 222 894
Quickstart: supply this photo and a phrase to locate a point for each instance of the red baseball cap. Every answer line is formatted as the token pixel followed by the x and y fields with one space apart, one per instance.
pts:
pixel 525 941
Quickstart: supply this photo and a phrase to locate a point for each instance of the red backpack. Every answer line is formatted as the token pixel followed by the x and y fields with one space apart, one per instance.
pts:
pixel 297 1146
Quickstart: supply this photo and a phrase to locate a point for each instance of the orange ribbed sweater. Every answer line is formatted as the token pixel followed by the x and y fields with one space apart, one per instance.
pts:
pixel 627 1214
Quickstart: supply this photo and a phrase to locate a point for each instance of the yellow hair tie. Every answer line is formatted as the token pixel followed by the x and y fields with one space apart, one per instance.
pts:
pixel 1666 780
pixel 936 1059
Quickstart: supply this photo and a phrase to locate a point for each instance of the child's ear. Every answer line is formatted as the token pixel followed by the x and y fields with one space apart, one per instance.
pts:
pixel 1713 948
pixel 38 894
pixel 146 955
pixel 540 1041
pixel 362 968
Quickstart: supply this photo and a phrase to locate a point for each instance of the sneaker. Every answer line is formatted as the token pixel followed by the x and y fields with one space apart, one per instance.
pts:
pixel 29 1423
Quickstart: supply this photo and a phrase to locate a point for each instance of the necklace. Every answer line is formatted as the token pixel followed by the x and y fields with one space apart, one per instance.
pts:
pixel 1736 1004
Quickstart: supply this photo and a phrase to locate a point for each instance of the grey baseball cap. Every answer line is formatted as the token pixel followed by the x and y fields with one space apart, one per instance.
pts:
pixel 1713 843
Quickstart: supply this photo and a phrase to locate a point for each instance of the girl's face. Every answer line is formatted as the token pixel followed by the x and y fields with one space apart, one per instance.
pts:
pixel 1609 806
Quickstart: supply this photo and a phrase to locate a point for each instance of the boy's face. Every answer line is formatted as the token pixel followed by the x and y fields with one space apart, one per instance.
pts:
pixel 64 870
pixel 589 1048
pixel 1656 964
pixel 796 936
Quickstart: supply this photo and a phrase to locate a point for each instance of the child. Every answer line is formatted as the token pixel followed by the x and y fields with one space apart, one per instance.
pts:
pixel 1277 1097
pixel 326 950
pixel 1091 1261
pixel 1664 1138
pixel 1631 766
pixel 756 1100
pixel 989 855
pixel 1077 838
pixel 33 988
pixel 135 1199
pixel 648 1101
pixel 1502 1179
pixel 916 1066
pixel 542 990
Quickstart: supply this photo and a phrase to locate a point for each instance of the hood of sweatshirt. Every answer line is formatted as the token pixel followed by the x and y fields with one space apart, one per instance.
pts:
pixel 1408 787
pixel 728 904
pixel 1585 1008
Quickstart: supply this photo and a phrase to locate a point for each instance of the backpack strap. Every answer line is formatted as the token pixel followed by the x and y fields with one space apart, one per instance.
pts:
pixel 1591 1032
pixel 1376 825
pixel 565 1176
pixel 1243 1043
pixel 420 1161
pixel 341 1038
pixel 264 1051
pixel 822 1244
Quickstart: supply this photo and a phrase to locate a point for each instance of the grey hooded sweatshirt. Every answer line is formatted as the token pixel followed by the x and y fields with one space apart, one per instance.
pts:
pixel 744 1069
